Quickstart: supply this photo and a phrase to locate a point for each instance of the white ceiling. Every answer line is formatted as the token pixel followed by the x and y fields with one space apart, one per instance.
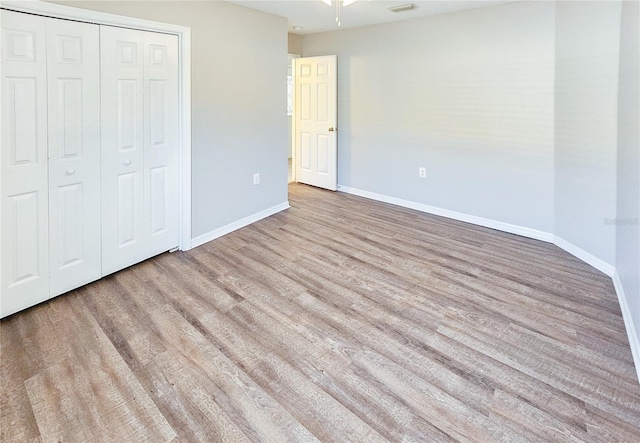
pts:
pixel 316 16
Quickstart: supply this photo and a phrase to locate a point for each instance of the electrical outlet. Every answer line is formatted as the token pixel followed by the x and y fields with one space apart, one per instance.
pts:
pixel 422 172
pixel 256 179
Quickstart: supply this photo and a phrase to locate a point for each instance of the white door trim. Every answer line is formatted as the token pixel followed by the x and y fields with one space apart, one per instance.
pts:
pixel 184 61
pixel 292 58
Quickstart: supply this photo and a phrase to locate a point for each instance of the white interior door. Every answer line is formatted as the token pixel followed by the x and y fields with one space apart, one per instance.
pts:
pixel 140 152
pixel 74 154
pixel 24 277
pixel 316 121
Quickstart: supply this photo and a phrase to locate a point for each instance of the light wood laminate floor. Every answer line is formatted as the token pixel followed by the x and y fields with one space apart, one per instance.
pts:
pixel 340 319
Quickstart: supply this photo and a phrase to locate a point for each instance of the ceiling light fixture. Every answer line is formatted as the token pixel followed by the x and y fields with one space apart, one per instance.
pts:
pixel 403 8
pixel 338 5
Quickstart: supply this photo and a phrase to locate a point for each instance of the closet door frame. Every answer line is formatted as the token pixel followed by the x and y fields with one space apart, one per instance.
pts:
pixel 184 67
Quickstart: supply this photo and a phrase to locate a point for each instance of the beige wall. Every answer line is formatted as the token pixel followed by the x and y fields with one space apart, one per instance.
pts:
pixel 295 44
pixel 239 63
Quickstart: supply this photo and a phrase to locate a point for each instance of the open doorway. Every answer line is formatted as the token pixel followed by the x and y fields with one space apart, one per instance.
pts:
pixel 290 88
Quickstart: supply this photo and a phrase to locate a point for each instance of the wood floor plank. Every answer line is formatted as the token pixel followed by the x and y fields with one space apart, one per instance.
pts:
pixel 453 417
pixel 195 418
pixel 190 406
pixel 339 319
pixel 304 400
pixel 200 364
pixel 16 415
pixel 343 382
pixel 91 395
pixel 523 415
pixel 559 374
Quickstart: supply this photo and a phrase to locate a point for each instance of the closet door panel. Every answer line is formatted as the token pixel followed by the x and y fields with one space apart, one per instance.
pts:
pixel 74 153
pixel 122 116
pixel 24 255
pixel 161 140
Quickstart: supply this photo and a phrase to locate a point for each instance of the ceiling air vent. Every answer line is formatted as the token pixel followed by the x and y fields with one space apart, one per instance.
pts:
pixel 403 8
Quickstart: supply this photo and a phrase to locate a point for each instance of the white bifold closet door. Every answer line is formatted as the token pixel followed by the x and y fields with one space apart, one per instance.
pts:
pixel 50 164
pixel 139 90
pixel 89 159
pixel 23 165
pixel 73 72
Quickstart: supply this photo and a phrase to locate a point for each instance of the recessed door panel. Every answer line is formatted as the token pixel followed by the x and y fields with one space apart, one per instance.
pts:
pixel 159 203
pixel 305 151
pixel 70 116
pixel 323 154
pixel 305 69
pixel 127 189
pixel 323 70
pixel 127 114
pixel 157 112
pixel 305 102
pixel 74 153
pixel 24 241
pixel 69 49
pixel 70 221
pixel 24 225
pixel 323 103
pixel 127 52
pixel 18 45
pixel 157 56
pixel 23 120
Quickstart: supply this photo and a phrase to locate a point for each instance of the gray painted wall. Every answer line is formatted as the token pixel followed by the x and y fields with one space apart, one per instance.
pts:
pixel 586 97
pixel 467 95
pixel 239 67
pixel 628 230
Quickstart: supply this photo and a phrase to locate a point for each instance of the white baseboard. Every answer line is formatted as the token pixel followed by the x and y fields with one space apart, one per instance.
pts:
pixel 585 256
pixel 460 216
pixel 216 233
pixel 632 331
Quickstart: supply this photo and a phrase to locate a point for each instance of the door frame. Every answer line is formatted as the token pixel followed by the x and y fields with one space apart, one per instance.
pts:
pixel 292 58
pixel 184 77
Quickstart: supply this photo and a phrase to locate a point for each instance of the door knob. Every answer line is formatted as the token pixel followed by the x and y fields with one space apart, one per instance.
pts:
pixel 71 171
pixel 127 162
pixel 331 129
